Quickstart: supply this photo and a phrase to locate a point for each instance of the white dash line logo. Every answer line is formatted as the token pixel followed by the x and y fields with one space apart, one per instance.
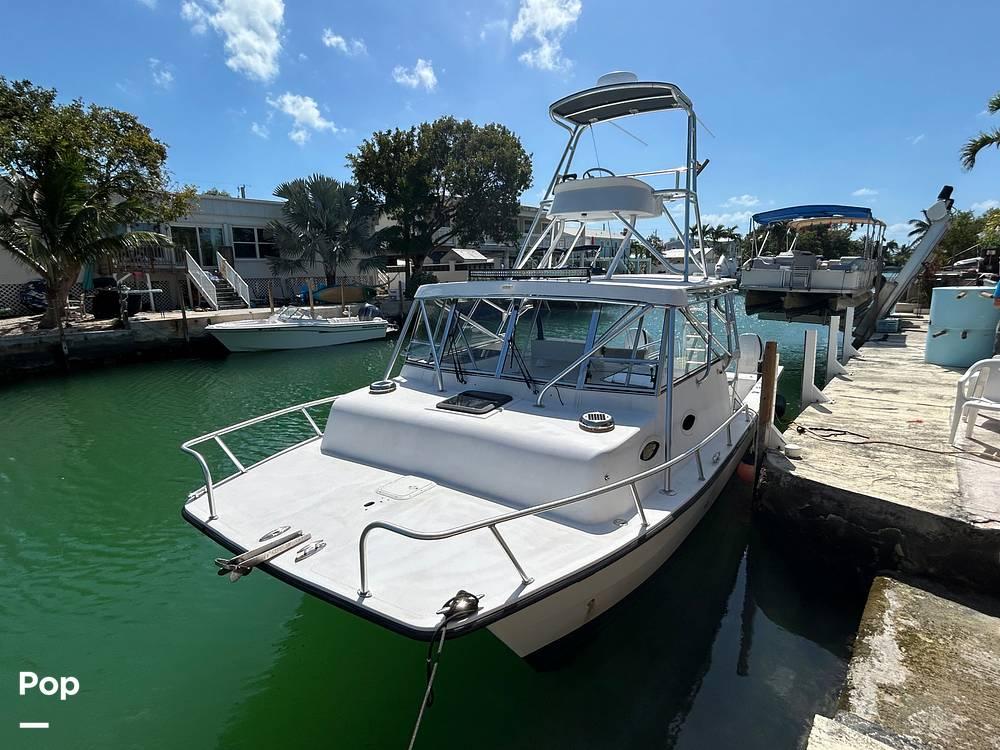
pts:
pixel 34 725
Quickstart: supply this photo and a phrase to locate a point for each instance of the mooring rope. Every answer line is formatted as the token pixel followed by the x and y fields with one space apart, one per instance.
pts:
pixel 459 606
pixel 433 659
pixel 832 433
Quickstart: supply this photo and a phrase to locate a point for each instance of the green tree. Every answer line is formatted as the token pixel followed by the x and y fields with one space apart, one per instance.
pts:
pixel 962 234
pixel 323 221
pixel 55 222
pixel 218 192
pixel 989 235
pixel 442 181
pixel 920 227
pixel 94 164
pixel 985 138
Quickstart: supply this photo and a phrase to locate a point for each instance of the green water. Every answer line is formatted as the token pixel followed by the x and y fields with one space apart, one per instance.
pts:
pixel 730 644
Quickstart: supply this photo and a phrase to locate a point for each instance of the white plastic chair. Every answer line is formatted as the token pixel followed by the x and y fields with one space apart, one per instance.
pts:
pixel 978 388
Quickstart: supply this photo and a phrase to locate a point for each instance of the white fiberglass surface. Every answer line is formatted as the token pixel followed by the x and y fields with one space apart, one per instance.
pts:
pixel 334 499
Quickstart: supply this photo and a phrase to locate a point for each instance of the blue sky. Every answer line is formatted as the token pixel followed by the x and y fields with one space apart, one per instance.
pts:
pixel 853 102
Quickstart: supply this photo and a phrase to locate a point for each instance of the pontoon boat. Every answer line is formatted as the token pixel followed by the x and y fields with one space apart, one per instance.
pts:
pixel 553 434
pixel 796 283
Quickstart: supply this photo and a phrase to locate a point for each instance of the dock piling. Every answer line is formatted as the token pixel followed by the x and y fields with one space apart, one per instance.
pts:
pixel 810 393
pixel 833 366
pixel 849 351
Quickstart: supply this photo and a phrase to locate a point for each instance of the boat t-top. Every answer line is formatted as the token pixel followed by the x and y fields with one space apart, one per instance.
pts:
pixel 782 277
pixel 543 439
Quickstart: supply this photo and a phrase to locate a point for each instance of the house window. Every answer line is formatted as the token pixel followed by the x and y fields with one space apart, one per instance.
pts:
pixel 244 242
pixel 265 243
pixel 201 242
pixel 254 242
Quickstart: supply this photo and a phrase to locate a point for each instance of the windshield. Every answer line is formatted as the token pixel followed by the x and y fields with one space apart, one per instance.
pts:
pixel 543 340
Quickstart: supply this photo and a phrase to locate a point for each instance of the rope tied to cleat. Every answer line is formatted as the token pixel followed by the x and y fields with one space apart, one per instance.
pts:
pixel 460 606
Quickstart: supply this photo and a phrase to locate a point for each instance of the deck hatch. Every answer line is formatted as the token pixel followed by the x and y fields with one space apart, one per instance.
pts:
pixel 405 487
pixel 474 402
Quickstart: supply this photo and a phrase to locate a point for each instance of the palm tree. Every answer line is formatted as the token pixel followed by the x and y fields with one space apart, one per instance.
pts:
pixel 323 221
pixel 920 228
pixel 992 138
pixel 56 222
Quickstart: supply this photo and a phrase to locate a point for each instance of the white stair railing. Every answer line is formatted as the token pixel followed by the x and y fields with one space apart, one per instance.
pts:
pixel 201 280
pixel 233 279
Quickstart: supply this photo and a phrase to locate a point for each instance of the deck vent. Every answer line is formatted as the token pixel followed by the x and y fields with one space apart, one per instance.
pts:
pixel 382 386
pixel 597 421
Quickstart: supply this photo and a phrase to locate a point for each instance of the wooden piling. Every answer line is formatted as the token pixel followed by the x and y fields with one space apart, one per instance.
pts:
pixel 765 416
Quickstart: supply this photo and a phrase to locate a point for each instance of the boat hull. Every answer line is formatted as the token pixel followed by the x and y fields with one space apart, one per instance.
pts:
pixel 297 337
pixel 572 607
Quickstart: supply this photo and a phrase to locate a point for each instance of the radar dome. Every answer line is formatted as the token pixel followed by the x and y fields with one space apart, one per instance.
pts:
pixel 618 76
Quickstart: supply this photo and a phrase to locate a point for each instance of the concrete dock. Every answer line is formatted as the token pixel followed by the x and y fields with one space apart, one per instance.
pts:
pixel 879 483
pixel 880 488
pixel 925 674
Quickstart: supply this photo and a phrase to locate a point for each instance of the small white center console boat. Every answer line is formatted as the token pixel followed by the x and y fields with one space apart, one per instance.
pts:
pixel 295 328
pixel 554 433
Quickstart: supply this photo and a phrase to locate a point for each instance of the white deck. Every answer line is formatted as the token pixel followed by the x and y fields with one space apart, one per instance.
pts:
pixel 410 579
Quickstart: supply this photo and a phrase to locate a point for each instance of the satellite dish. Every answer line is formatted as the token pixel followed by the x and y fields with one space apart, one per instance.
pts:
pixel 617 77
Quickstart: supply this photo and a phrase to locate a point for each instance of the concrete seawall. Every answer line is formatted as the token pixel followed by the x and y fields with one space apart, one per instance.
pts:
pixel 880 488
pixel 150 336
pixel 879 484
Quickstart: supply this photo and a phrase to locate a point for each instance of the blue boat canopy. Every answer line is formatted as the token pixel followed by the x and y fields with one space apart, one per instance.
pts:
pixel 812 212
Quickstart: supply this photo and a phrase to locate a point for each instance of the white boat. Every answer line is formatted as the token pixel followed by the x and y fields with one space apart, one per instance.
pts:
pixel 796 283
pixel 552 437
pixel 294 328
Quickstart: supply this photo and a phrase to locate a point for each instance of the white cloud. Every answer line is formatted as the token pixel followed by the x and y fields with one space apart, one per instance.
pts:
pixel 899 232
pixel 744 201
pixel 985 205
pixel 739 218
pixel 915 139
pixel 864 192
pixel 350 47
pixel 162 75
pixel 499 26
pixel 545 21
pixel 151 4
pixel 305 114
pixel 421 74
pixel 261 131
pixel 251 28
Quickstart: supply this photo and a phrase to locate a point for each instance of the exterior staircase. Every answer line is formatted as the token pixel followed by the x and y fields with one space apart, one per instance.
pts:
pixel 225 295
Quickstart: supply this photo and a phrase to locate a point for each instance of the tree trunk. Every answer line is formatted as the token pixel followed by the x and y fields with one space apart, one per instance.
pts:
pixel 331 276
pixel 56 296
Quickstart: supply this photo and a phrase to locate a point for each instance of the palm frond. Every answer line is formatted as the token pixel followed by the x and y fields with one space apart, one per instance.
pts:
pixel 972 148
pixel 993 106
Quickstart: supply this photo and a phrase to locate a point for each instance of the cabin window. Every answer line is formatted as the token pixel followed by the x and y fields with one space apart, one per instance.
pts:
pixel 701 336
pixel 419 350
pixel 548 337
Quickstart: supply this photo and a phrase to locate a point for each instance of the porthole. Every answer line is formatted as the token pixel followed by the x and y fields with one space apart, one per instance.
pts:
pixel 688 422
pixel 649 450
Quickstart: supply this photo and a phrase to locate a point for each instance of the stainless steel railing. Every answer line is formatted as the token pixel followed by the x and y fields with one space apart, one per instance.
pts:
pixel 495 521
pixel 217 435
